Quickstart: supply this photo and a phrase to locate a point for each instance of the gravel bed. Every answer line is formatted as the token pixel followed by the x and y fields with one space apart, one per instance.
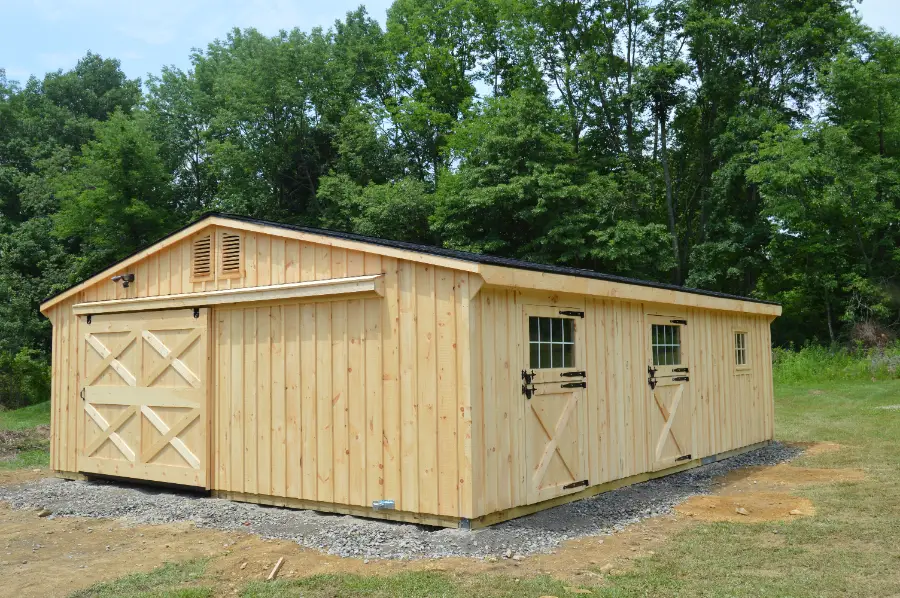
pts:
pixel 354 537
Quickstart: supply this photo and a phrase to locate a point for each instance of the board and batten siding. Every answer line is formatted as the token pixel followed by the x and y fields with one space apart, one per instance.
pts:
pixel 392 417
pixel 729 409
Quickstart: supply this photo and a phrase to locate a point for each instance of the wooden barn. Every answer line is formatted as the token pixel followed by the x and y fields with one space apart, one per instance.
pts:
pixel 314 369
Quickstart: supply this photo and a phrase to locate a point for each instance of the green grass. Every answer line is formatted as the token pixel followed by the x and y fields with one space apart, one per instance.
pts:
pixel 172 580
pixel 26 417
pixel 851 547
pixel 31 450
pixel 814 364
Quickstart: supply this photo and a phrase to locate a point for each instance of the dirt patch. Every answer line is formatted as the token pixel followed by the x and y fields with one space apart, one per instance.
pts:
pixel 31 439
pixel 8 477
pixel 80 552
pixel 817 448
pixel 785 476
pixel 750 507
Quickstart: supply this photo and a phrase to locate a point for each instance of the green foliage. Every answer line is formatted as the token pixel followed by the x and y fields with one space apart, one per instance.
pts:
pixel 815 363
pixel 719 144
pixel 24 378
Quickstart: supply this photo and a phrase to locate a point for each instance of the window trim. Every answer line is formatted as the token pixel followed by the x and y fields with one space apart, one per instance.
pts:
pixel 740 368
pixel 551 342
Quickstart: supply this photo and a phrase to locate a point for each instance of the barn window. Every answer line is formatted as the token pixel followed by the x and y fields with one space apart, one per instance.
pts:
pixel 552 342
pixel 202 258
pixel 230 258
pixel 740 349
pixel 666 344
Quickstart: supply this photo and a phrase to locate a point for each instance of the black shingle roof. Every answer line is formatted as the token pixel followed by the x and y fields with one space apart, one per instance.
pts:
pixel 465 256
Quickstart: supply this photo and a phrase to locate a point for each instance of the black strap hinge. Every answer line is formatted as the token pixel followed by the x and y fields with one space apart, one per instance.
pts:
pixel 683 458
pixel 574 385
pixel 196 312
pixel 681 379
pixel 682 322
pixel 89 318
pixel 574 374
pixel 579 314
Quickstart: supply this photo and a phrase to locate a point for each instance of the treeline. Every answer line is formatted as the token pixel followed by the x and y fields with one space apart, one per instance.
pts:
pixel 735 145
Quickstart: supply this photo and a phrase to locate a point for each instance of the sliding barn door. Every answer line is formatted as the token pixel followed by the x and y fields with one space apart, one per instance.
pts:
pixel 144 396
pixel 668 385
pixel 553 386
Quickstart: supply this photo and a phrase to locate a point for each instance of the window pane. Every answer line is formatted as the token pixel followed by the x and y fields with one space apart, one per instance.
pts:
pixel 557 329
pixel 557 361
pixel 676 355
pixel 545 329
pixel 535 355
pixel 568 330
pixel 533 328
pixel 545 355
pixel 569 356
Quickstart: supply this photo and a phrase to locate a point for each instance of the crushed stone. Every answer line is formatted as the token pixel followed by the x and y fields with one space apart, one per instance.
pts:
pixel 349 536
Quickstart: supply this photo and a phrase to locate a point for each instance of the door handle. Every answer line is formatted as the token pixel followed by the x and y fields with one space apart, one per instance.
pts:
pixel 81 394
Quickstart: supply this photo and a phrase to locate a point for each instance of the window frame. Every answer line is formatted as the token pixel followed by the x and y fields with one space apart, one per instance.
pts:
pixel 740 368
pixel 563 343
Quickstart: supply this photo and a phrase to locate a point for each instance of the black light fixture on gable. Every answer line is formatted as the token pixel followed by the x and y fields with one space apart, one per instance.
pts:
pixel 125 278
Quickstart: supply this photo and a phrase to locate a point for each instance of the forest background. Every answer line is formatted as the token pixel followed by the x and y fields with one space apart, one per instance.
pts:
pixel 733 145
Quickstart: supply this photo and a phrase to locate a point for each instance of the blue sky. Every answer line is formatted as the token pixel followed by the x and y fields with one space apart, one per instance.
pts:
pixel 37 36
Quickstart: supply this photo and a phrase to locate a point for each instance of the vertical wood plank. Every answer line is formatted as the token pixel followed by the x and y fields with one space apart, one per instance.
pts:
pixel 293 399
pixel 427 385
pixel 236 391
pixel 264 400
pixel 251 461
pixel 340 406
pixel 409 397
pixel 339 401
pixel 489 414
pixel 374 389
pixel 391 392
pixel 479 456
pixel 279 409
pixel 309 425
pixel 448 467
pixel 292 261
pixel 223 401
pixel 324 420
pixel 503 339
pixel 463 395
pixel 356 385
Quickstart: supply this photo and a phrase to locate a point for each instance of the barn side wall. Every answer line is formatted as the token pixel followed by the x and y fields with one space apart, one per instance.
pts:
pixel 391 420
pixel 729 410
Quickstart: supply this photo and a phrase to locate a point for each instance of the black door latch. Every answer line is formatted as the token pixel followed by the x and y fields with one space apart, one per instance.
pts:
pixel 651 378
pixel 527 385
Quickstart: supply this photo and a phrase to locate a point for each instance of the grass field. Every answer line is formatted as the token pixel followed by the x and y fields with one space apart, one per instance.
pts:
pixel 851 547
pixel 24 438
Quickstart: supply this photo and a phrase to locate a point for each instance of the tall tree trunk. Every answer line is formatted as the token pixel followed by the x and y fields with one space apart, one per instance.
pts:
pixel 670 200
pixel 828 316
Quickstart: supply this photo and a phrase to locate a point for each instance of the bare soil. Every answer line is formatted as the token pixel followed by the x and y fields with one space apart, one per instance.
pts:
pixel 31 439
pixel 80 552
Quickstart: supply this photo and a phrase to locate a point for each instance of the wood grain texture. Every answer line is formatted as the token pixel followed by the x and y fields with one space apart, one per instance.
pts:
pixel 413 391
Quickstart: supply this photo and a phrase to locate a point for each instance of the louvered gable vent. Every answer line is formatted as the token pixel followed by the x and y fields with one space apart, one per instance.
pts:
pixel 230 263
pixel 201 258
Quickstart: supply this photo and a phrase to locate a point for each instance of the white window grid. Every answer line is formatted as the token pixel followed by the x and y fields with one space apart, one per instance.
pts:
pixel 740 348
pixel 566 358
pixel 666 344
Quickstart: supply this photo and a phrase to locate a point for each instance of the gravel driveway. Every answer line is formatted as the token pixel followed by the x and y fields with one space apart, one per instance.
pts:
pixel 354 537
